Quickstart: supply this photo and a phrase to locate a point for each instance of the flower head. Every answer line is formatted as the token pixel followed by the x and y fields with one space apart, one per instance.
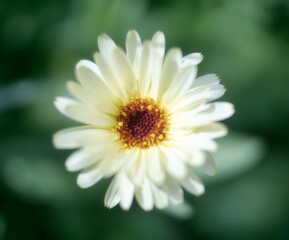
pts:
pixel 148 122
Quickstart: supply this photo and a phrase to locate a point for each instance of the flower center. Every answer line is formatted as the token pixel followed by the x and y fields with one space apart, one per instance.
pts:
pixel 141 123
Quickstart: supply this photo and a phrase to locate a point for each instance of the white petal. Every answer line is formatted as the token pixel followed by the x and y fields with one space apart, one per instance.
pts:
pixel 174 191
pixel 173 163
pixel 155 169
pixel 215 91
pixel 138 170
pixel 174 131
pixel 83 113
pixel 83 158
pixel 183 82
pixel 193 184
pixel 80 93
pixel 112 198
pixel 191 113
pixel 145 69
pixel 126 191
pixel 203 93
pixel 170 71
pixel 221 110
pixel 156 73
pixel 196 141
pixel 212 130
pixel 203 143
pixel 82 136
pixel 89 75
pixel 106 46
pixel 176 168
pixel 144 195
pixel 209 166
pixel 187 120
pixel 133 156
pixel 90 98
pixel 90 155
pixel 191 59
pixel 189 100
pixel 133 50
pixel 197 120
pixel 198 157
pixel 115 85
pixel 205 80
pixel 160 198
pixel 89 177
pixel 61 103
pixel 158 45
pixel 113 163
pixel 124 72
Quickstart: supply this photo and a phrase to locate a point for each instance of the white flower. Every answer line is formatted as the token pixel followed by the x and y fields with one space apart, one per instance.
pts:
pixel 149 122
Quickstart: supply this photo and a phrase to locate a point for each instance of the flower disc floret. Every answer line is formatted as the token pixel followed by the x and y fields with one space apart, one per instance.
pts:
pixel 141 123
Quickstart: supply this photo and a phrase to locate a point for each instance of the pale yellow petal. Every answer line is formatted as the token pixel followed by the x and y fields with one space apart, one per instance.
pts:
pixel 88 96
pixel 209 167
pixel 124 72
pixel 193 184
pixel 90 77
pixel 106 46
pixel 160 197
pixel 84 113
pixel 89 177
pixel 155 169
pixel 146 68
pixel 114 83
pixel 169 72
pixel 112 197
pixel 144 195
pixel 134 50
pixel 82 136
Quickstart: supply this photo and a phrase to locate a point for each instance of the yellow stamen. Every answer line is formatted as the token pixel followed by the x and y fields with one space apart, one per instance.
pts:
pixel 150 107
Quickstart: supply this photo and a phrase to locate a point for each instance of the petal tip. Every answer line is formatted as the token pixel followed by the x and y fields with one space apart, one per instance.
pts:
pixel 85 182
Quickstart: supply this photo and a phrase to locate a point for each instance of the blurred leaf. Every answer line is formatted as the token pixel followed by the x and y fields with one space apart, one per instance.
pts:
pixel 252 205
pixel 19 94
pixel 38 180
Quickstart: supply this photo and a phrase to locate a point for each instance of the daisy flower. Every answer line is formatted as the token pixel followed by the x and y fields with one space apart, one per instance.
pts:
pixel 148 122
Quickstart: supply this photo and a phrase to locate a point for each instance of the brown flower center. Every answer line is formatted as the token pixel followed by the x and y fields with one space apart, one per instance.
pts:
pixel 141 123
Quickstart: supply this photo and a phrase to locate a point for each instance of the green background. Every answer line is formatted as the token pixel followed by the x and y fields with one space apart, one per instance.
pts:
pixel 245 42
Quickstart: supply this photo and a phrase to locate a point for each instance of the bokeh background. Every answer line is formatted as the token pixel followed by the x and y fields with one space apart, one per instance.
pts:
pixel 245 42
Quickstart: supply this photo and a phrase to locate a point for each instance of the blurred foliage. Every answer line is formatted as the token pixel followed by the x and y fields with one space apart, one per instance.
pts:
pixel 245 42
